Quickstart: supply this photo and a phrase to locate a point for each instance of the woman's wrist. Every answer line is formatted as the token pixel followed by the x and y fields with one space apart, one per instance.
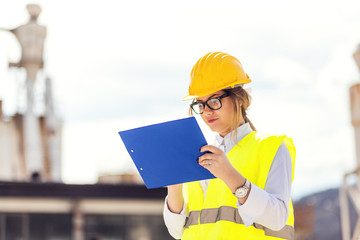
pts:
pixel 234 180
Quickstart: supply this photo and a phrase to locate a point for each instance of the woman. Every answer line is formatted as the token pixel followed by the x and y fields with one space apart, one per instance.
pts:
pixel 250 196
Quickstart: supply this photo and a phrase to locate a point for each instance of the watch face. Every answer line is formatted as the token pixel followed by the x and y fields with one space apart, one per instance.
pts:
pixel 241 192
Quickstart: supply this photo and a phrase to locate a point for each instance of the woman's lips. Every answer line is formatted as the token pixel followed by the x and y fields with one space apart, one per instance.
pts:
pixel 211 120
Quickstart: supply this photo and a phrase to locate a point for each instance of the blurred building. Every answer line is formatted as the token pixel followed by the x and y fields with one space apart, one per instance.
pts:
pixel 317 216
pixel 13 162
pixel 304 222
pixel 56 211
pixel 350 189
pixel 34 203
pixel 127 178
pixel 30 144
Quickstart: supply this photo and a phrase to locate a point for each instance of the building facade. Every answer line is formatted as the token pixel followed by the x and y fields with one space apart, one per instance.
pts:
pixel 30 143
pixel 13 162
pixel 56 211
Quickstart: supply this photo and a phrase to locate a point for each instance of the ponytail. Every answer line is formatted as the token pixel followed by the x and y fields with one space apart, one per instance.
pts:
pixel 246 119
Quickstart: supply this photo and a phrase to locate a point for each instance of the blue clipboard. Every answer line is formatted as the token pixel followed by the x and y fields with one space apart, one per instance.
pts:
pixel 167 153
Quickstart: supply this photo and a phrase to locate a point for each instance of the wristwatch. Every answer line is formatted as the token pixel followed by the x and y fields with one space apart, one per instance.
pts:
pixel 242 191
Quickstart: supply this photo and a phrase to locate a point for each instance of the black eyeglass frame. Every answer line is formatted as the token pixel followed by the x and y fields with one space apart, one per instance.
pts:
pixel 206 103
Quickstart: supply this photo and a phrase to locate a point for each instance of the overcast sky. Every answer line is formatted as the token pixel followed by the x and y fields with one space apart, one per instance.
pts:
pixel 122 64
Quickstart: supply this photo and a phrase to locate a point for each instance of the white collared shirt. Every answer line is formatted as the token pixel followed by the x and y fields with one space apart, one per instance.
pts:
pixel 274 197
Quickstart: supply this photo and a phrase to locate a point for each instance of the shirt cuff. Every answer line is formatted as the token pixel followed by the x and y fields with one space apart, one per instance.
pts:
pixel 174 222
pixel 254 206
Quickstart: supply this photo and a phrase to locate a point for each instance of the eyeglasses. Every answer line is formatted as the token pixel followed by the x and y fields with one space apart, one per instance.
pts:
pixel 212 103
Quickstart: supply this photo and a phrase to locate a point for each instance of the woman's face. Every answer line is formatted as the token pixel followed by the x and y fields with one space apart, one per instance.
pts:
pixel 218 120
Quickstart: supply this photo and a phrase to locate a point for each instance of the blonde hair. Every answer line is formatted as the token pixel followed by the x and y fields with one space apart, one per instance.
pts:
pixel 241 100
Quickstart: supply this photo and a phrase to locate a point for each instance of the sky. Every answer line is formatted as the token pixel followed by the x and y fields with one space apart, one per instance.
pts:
pixel 117 65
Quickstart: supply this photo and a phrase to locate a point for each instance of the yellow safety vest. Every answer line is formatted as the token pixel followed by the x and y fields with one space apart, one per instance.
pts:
pixel 216 216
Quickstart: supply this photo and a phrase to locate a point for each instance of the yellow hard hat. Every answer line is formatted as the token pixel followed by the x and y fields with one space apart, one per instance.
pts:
pixel 213 72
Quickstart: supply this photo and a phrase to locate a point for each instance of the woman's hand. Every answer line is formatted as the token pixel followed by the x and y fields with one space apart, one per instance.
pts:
pixel 219 165
pixel 216 162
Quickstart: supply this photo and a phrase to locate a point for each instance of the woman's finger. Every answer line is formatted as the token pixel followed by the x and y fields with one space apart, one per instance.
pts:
pixel 205 156
pixel 211 148
pixel 209 156
pixel 207 163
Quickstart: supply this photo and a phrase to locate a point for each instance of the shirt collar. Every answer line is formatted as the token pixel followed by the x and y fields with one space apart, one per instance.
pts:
pixel 228 141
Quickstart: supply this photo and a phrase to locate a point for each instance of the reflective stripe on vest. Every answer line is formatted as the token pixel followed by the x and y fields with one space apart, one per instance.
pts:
pixel 216 216
pixel 227 213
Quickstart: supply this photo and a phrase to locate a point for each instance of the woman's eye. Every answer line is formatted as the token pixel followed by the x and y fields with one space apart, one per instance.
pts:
pixel 213 101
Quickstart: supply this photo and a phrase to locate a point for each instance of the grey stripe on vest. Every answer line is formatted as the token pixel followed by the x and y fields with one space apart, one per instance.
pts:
pixel 192 219
pixel 227 213
pixel 286 232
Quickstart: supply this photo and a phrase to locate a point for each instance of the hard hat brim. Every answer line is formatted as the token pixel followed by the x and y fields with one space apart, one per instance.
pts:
pixel 189 97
